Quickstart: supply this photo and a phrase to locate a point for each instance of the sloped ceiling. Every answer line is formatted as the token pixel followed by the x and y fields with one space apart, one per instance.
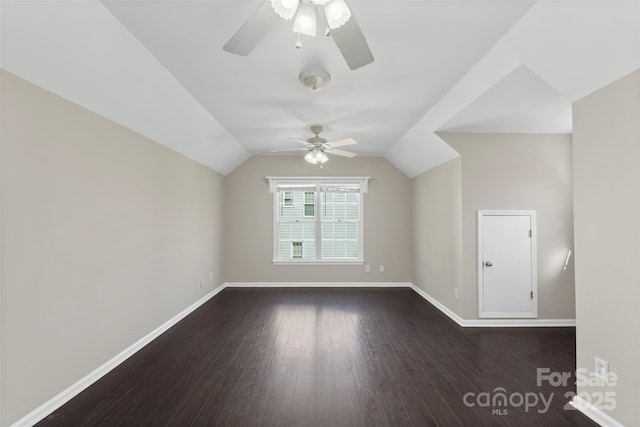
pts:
pixel 520 103
pixel 157 67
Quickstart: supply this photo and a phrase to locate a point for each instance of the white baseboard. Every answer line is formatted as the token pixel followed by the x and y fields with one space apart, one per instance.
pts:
pixel 437 304
pixel 318 285
pixel 494 323
pixel 595 414
pixel 63 397
pixel 519 323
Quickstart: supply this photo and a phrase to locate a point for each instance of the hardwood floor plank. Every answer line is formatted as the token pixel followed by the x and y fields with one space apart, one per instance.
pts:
pixel 373 344
pixel 326 399
pixel 370 399
pixel 343 340
pixel 304 405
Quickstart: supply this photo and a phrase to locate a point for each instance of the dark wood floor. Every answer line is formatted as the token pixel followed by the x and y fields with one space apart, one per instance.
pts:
pixel 329 357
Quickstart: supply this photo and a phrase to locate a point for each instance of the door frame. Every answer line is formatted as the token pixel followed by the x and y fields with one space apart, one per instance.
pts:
pixel 534 265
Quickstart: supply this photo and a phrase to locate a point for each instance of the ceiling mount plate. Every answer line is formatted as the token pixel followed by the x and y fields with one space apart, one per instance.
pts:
pixel 314 80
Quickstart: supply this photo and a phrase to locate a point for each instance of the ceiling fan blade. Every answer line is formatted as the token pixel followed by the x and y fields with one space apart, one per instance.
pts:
pixel 342 142
pixel 342 153
pixel 301 141
pixel 352 44
pixel 253 31
pixel 289 149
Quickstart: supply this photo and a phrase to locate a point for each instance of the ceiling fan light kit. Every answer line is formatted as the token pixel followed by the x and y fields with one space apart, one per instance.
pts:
pixel 316 156
pixel 285 8
pixel 305 22
pixel 314 80
pixel 337 13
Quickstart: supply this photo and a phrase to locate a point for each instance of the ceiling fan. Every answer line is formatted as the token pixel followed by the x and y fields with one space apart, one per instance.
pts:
pixel 341 26
pixel 318 147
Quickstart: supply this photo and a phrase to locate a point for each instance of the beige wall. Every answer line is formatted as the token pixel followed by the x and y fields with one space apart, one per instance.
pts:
pixel 607 233
pixel 249 223
pixel 437 233
pixel 521 172
pixel 105 236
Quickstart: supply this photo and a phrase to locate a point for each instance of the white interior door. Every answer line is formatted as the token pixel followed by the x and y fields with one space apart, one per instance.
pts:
pixel 507 264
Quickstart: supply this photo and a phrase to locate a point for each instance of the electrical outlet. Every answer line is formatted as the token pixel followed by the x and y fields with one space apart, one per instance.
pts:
pixel 456 293
pixel 382 269
pixel 211 276
pixel 201 282
pixel 602 369
pixel 367 268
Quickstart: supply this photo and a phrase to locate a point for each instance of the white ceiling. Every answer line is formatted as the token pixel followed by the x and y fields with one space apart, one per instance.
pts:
pixel 520 103
pixel 158 68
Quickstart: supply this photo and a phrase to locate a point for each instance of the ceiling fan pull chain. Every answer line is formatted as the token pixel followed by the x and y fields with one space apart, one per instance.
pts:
pixel 298 43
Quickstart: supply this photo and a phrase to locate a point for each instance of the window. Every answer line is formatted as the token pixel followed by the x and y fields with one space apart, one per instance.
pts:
pixel 296 249
pixel 340 225
pixel 309 204
pixel 288 198
pixel 318 220
pixel 297 225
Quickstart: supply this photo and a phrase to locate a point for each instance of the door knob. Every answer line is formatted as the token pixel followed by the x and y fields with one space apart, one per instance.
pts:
pixel 488 263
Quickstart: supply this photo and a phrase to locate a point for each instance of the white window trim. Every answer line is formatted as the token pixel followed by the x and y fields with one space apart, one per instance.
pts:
pixel 275 182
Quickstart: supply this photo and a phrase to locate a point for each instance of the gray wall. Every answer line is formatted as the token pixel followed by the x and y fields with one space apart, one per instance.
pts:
pixel 249 223
pixel 105 237
pixel 606 154
pixel 437 233
pixel 522 172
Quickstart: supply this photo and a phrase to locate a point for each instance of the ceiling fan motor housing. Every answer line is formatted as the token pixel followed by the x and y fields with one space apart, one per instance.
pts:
pixel 316 140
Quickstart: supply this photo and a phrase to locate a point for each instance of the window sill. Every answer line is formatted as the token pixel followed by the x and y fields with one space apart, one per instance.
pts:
pixel 319 262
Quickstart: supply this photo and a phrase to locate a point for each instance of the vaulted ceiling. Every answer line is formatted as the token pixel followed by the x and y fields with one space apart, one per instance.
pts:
pixel 158 68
